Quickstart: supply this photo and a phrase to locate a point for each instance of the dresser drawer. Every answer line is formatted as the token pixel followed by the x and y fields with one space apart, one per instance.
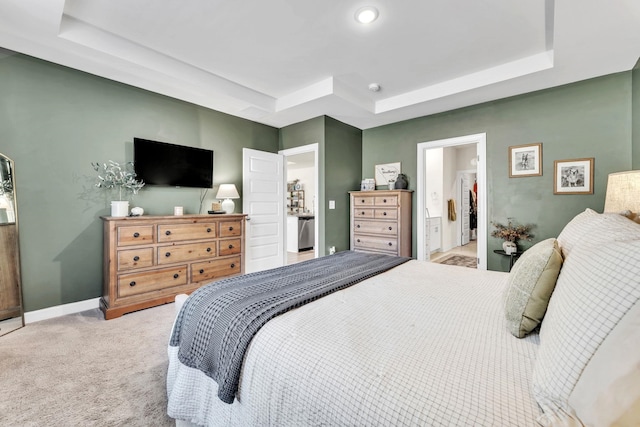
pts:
pixel 134 235
pixel 140 283
pixel 230 228
pixel 187 252
pixel 391 213
pixel 210 270
pixel 360 212
pixel 387 201
pixel 375 243
pixel 178 232
pixel 364 201
pixel 375 227
pixel 135 258
pixel 229 247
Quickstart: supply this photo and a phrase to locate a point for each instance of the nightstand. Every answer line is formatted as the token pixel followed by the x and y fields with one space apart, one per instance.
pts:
pixel 513 257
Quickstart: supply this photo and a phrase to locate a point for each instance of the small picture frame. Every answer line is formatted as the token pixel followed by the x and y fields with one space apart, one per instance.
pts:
pixel 525 160
pixel 386 173
pixel 573 176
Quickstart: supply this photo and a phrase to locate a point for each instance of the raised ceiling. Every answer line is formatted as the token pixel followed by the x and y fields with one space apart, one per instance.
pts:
pixel 279 62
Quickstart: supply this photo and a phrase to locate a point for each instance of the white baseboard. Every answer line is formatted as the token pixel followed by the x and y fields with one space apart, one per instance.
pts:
pixel 61 310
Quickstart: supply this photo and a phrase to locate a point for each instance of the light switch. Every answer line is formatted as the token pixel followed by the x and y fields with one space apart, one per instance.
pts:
pixel 332 204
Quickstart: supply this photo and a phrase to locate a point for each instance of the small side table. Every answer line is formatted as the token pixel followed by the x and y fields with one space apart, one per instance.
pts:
pixel 513 257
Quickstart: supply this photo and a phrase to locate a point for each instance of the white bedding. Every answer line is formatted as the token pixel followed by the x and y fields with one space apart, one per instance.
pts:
pixel 422 344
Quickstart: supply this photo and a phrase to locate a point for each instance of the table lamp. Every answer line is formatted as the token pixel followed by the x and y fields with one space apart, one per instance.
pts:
pixel 623 194
pixel 228 192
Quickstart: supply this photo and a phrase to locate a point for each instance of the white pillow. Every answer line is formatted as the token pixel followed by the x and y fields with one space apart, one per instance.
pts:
pixel 592 228
pixel 596 289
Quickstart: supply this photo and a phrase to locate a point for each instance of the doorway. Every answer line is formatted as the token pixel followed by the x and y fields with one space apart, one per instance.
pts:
pixel 302 181
pixel 445 171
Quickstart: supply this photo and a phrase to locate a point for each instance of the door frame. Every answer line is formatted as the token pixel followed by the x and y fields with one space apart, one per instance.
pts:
pixel 480 139
pixel 309 148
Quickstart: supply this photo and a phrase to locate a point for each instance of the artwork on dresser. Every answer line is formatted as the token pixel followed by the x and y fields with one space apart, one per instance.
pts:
pixel 525 160
pixel 573 176
pixel 386 173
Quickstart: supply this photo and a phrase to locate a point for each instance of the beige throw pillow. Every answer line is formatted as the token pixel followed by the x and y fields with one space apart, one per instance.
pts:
pixel 530 285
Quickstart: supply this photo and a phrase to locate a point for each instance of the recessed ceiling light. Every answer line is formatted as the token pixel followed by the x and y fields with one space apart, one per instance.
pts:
pixel 374 87
pixel 366 15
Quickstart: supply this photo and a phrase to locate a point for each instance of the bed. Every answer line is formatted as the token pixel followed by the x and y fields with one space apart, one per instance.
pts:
pixel 428 344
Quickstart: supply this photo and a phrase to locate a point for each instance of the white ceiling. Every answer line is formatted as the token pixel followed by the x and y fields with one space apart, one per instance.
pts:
pixel 279 62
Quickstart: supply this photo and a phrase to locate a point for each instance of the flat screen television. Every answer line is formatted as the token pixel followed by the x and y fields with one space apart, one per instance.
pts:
pixel 161 163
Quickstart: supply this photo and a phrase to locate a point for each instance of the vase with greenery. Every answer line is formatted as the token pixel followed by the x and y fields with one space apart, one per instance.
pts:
pixel 113 176
pixel 511 233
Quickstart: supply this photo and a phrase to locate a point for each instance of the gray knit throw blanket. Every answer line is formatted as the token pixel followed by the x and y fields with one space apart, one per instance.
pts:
pixel 216 323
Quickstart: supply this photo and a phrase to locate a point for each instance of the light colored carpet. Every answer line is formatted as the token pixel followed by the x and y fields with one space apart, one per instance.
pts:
pixel 460 260
pixel 81 370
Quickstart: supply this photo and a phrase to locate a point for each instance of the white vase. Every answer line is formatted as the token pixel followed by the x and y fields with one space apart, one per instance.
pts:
pixel 120 208
pixel 509 247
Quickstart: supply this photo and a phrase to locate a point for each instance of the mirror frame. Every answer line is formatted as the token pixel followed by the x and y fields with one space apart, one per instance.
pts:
pixel 13 323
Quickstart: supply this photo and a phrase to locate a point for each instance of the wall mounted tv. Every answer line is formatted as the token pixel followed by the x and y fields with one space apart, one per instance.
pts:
pixel 160 163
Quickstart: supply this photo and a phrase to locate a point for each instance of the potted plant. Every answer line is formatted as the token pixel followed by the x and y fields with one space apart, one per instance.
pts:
pixel 511 233
pixel 112 176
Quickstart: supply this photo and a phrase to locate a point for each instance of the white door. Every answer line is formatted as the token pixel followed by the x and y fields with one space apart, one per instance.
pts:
pixel 263 202
pixel 465 185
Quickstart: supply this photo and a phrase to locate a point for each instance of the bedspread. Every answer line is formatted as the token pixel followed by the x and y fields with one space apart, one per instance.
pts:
pixel 420 345
pixel 218 321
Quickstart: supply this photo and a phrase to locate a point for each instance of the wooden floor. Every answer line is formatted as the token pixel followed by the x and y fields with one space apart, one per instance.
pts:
pixel 470 249
pixel 295 257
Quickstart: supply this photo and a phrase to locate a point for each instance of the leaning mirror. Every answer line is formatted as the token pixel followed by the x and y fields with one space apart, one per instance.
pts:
pixel 11 313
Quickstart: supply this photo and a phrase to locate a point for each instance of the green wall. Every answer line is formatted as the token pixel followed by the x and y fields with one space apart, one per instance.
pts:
pixel 585 119
pixel 635 108
pixel 339 154
pixel 55 121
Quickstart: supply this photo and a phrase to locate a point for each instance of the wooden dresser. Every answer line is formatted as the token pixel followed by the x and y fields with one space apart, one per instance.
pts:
pixel 148 260
pixel 381 221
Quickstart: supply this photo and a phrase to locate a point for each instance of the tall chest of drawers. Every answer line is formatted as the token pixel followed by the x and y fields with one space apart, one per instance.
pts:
pixel 148 260
pixel 381 221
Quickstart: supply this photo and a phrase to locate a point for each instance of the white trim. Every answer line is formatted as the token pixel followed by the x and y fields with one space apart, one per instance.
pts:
pixel 309 148
pixel 61 310
pixel 480 140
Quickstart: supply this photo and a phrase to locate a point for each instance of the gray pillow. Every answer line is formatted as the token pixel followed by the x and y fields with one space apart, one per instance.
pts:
pixel 530 285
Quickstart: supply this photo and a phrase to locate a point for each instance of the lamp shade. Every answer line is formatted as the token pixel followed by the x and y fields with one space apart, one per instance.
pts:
pixel 227 191
pixel 623 192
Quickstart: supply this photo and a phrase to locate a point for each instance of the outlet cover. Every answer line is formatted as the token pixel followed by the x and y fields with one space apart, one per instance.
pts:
pixel 332 204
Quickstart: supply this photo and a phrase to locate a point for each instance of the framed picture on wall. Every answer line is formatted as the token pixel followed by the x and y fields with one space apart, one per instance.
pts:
pixel 525 160
pixel 574 176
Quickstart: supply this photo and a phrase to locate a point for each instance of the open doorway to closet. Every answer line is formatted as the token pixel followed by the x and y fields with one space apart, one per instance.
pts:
pixel 451 203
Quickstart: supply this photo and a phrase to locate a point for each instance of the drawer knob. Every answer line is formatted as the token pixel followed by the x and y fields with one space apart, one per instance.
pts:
pixel 230 228
pixel 230 246
pixel 384 200
pixel 362 200
pixel 136 234
pixel 168 232
pixel 168 254
pixel 233 265
pixel 362 213
pixel 208 230
pixel 208 249
pixel 136 258
pixel 390 228
pixel 384 214
pixel 390 244
pixel 358 240
pixel 175 276
pixel 358 226
pixel 132 283
pixel 201 271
